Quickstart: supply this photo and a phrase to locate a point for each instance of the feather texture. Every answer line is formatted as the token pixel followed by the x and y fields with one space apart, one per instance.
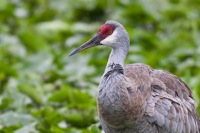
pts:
pixel 146 101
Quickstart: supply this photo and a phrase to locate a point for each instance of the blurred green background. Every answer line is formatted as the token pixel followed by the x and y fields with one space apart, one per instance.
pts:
pixel 44 90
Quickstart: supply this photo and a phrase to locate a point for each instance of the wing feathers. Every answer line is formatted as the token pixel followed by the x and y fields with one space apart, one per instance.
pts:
pixel 173 102
pixel 169 102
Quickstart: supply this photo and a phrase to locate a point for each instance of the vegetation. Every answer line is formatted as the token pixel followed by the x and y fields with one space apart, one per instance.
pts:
pixel 44 90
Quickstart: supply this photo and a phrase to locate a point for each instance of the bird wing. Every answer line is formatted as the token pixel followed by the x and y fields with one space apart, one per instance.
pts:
pixel 169 101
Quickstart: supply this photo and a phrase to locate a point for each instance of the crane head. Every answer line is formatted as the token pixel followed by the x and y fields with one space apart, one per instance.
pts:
pixel 112 33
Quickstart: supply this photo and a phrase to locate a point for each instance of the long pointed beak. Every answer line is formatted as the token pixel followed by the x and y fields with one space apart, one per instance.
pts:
pixel 91 43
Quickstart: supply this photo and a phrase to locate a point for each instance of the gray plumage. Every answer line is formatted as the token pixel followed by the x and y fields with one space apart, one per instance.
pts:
pixel 138 99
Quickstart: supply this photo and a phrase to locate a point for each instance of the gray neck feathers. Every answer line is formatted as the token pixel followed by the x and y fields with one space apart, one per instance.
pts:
pixel 117 57
pixel 119 49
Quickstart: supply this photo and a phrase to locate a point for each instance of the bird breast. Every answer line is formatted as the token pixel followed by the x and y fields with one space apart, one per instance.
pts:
pixel 114 103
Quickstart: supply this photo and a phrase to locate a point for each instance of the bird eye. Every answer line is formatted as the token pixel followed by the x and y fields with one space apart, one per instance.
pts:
pixel 109 32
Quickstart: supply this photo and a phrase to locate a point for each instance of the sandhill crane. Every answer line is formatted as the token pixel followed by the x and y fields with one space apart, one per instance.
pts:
pixel 136 98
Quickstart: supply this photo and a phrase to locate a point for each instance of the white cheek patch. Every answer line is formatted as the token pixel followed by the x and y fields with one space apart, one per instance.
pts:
pixel 110 40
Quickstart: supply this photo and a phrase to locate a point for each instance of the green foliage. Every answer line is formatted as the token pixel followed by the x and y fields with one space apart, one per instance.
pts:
pixel 43 90
pixel 95 129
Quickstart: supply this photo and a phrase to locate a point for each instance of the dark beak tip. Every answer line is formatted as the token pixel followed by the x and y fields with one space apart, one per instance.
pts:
pixel 72 53
pixel 91 43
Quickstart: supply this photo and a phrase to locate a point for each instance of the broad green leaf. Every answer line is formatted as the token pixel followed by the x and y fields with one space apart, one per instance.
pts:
pixel 94 129
pixel 32 93
pixel 33 41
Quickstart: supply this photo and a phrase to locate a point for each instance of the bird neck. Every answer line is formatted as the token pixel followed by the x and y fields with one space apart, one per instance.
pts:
pixel 117 57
